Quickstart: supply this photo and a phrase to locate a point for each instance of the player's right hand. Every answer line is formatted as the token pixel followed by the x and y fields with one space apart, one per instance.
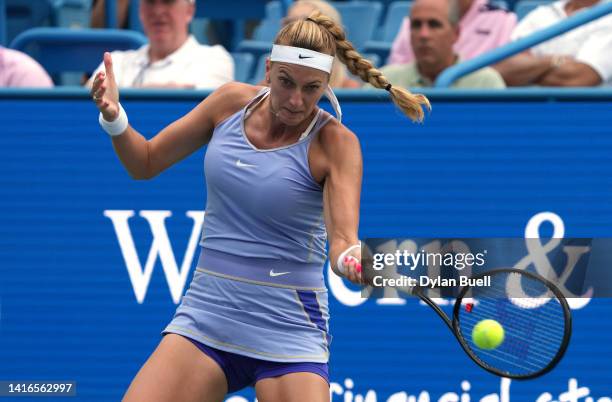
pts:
pixel 104 90
pixel 352 269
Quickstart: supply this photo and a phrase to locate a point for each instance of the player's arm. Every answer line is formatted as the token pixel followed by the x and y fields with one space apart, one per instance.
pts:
pixel 144 159
pixel 341 193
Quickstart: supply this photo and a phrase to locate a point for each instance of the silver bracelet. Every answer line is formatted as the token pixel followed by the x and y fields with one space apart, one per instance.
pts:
pixel 117 126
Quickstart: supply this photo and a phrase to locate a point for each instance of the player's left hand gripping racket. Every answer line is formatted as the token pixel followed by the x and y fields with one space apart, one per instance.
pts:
pixel 532 311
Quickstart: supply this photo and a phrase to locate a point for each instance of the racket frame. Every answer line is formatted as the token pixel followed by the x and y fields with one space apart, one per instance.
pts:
pixel 455 329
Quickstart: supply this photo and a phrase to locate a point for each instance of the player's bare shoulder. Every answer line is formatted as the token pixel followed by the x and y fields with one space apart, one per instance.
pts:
pixel 335 146
pixel 227 100
pixel 335 138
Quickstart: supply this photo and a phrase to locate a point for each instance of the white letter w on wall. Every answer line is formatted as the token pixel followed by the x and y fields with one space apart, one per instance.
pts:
pixel 160 246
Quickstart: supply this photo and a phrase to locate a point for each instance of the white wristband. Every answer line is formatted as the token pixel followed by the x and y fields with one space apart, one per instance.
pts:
pixel 340 263
pixel 117 126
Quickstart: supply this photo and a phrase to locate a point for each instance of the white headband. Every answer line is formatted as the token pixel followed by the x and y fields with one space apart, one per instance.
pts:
pixel 312 59
pixel 303 57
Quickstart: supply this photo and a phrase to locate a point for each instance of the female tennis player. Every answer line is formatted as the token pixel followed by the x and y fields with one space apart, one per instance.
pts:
pixel 282 176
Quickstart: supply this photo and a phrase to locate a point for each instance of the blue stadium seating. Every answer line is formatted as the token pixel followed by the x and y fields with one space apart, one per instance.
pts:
pixel 267 29
pixel 133 18
pixel 62 50
pixel 199 28
pixel 2 23
pixel 396 12
pixel 71 13
pixel 269 26
pixel 260 70
pixel 257 48
pixel 360 20
pixel 25 14
pixel 265 32
pixel 235 12
pixel 243 64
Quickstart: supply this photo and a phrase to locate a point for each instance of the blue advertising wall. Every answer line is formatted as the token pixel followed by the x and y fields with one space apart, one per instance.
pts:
pixel 92 263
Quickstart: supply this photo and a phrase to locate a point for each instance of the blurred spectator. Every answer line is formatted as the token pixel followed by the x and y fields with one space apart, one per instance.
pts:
pixel 17 69
pixel 98 13
pixel 301 9
pixel 482 27
pixel 433 32
pixel 580 57
pixel 173 58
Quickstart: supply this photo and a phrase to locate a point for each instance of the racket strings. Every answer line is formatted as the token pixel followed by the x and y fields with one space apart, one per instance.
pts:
pixel 513 338
pixel 518 322
pixel 533 327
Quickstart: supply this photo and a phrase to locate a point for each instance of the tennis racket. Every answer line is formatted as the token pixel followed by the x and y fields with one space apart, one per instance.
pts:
pixel 532 311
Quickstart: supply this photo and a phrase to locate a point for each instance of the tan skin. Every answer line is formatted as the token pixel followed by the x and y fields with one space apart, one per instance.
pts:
pixel 432 37
pixel 177 371
pixel 528 69
pixel 166 24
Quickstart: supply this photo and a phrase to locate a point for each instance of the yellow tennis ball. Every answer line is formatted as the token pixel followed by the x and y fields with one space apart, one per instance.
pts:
pixel 488 334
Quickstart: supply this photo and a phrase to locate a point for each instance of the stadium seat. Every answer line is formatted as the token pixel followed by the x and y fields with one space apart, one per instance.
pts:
pixel 134 19
pixel 260 70
pixel 63 50
pixel 199 28
pixel 236 12
pixel 267 30
pixel 243 64
pixel 25 14
pixel 256 47
pixel 71 13
pixel 396 12
pixel 360 19
pixel 270 25
pixel 2 23
pixel 274 10
pixel 524 7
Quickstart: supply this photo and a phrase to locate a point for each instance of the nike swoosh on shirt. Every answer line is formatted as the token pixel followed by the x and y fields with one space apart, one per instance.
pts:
pixel 272 273
pixel 245 165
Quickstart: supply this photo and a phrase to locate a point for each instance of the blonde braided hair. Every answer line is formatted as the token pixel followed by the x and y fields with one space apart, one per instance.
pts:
pixel 332 40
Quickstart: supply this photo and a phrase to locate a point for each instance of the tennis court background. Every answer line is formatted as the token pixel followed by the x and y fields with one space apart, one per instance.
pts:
pixel 481 166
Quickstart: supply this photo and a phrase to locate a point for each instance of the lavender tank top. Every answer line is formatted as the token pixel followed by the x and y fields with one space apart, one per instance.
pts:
pixel 263 203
